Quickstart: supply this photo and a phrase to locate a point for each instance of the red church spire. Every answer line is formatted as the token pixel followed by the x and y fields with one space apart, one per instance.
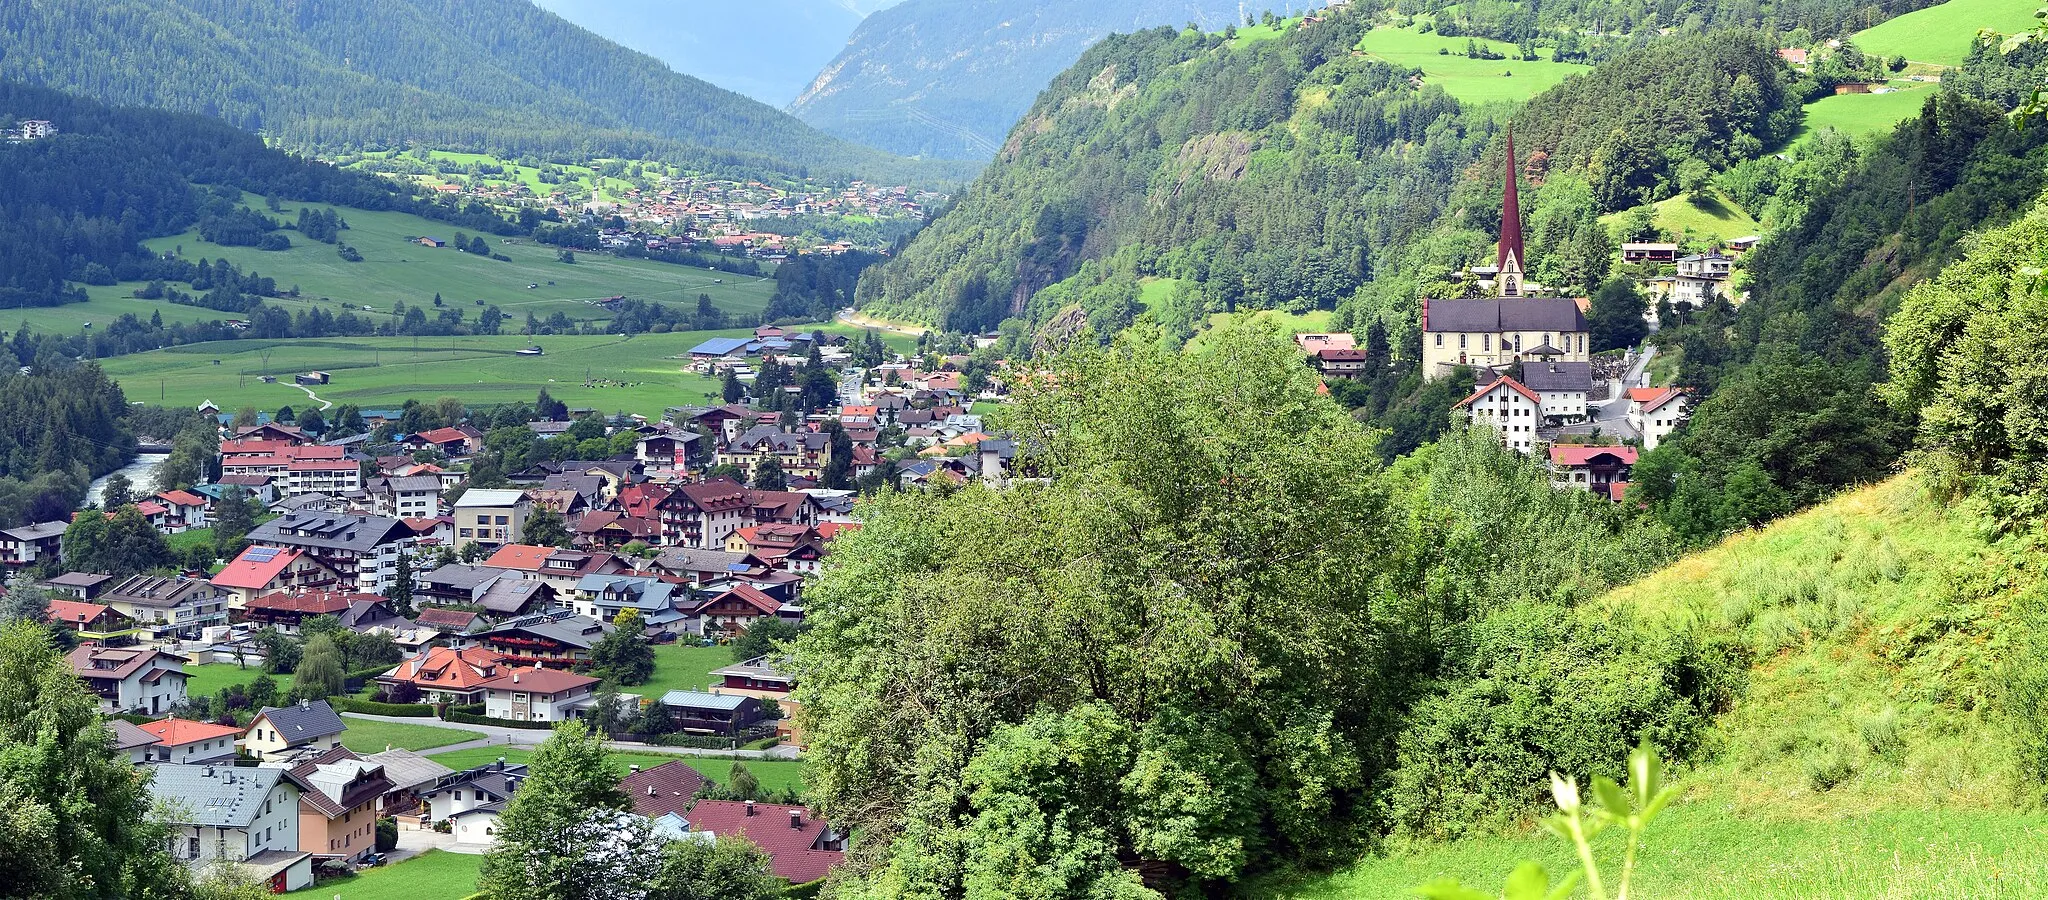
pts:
pixel 1510 216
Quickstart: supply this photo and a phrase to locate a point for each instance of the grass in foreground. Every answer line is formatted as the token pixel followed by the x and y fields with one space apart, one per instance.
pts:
pixel 1469 80
pixel 433 875
pixel 1941 34
pixel 370 736
pixel 774 774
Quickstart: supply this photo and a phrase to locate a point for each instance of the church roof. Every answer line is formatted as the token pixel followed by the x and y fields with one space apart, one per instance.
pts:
pixel 1498 314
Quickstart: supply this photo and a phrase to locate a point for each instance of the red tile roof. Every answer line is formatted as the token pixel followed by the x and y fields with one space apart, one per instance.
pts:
pixel 1653 398
pixel 1506 382
pixel 255 568
pixel 312 603
pixel 178 732
pixel 519 557
pixel 72 611
pixel 753 597
pixel 790 850
pixel 666 788
pixel 182 498
pixel 1579 456
pixel 444 669
pixel 436 617
pixel 830 530
pixel 443 435
pixel 539 680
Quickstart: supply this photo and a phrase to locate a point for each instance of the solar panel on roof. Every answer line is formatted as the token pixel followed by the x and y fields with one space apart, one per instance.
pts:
pixel 262 554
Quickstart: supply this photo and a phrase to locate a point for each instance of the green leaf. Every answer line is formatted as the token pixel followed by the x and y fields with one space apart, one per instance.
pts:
pixel 1645 773
pixel 1565 886
pixel 1611 796
pixel 1529 881
pixel 1449 889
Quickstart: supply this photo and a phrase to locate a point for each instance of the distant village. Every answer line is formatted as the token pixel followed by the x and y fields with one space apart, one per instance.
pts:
pixel 683 538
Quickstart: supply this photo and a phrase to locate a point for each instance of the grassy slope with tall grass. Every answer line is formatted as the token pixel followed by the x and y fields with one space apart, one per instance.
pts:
pixel 1861 759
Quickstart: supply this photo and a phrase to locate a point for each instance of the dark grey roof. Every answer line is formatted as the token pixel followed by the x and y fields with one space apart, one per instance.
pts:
pixel 127 736
pixel 1557 376
pixel 1553 314
pixel 460 576
pixel 562 626
pixel 509 596
pixel 37 532
pixel 497 779
pixel 684 559
pixel 780 442
pixel 158 591
pixel 304 722
pixel 330 531
pixel 407 769
pixel 217 796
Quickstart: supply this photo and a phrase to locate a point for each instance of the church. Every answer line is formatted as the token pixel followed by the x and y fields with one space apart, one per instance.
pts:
pixel 1507 328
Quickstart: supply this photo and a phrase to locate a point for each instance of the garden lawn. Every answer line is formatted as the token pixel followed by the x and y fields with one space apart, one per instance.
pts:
pixel 774 774
pixel 433 875
pixel 681 668
pixel 371 736
pixel 1941 35
pixel 207 679
pixel 1469 80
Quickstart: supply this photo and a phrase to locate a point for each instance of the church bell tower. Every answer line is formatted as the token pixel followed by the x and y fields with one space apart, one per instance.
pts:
pixel 1509 261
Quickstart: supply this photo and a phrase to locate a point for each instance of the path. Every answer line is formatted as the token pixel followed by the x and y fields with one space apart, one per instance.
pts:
pixel 859 320
pixel 499 735
pixel 324 405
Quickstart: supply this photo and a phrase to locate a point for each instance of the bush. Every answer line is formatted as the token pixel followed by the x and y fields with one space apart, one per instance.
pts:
pixel 1535 689
pixel 387 834
pixel 373 708
pixel 469 719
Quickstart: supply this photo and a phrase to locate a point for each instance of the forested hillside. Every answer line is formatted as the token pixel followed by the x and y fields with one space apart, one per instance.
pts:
pixel 1289 173
pixel 487 75
pixel 948 78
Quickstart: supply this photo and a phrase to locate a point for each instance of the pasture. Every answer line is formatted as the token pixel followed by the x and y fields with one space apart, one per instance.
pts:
pixel 1716 218
pixel 774 774
pixel 396 268
pixel 1942 35
pixel 1469 80
pixel 1857 115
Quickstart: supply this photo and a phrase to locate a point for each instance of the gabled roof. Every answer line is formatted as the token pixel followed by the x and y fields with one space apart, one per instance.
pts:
pixel 41 531
pixel 442 668
pixel 339 781
pixel 73 611
pixel 255 567
pixel 793 853
pixel 1557 376
pixel 669 788
pixel 179 732
pixel 1653 399
pixel 214 796
pixel 182 498
pixel 441 617
pixel 128 735
pixel 1503 383
pixel 750 595
pixel 539 681
pixel 95 661
pixel 1552 314
pixel 1579 456
pixel 519 557
pixel 407 769
pixel 309 720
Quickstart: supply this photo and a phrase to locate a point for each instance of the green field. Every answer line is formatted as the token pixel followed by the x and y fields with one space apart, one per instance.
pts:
pixel 1942 35
pixel 774 774
pixel 371 736
pixel 1860 114
pixel 207 679
pixel 1469 80
pixel 396 268
pixel 1715 219
pixel 433 875
pixel 682 668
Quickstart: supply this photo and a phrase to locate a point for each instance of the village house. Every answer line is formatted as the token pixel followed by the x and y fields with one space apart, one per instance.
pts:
pixel 362 550
pixel 667 789
pixel 502 593
pixel 725 715
pixel 292 732
pixel 78 585
pixel 1655 252
pixel 733 610
pixel 404 497
pixel 1565 388
pixel 131 741
pixel 1510 409
pixel 801 847
pixel 170 607
pixel 446 675
pixel 661 605
pixel 793 548
pixel 182 741
pixel 491 518
pixel 702 514
pixel 94 622
pixel 183 511
pixel 259 571
pixel 30 544
pixel 246 815
pixel 130 679
pixel 534 694
pixel 338 807
pixel 559 569
pixel 801 454
pixel 286 611
pixel 471 800
pixel 558 639
pixel 1656 412
pixel 1600 470
pixel 454 443
pixel 409 774
pixel 1339 362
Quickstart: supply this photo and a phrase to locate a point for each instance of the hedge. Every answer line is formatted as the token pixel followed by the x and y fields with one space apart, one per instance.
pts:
pixel 373 708
pixel 472 719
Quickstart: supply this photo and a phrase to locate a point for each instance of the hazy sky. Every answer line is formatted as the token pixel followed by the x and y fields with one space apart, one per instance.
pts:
pixel 767 49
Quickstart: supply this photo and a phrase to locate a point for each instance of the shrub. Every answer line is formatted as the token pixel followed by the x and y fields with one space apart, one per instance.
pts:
pixel 1835 765
pixel 373 708
pixel 1881 733
pixel 387 834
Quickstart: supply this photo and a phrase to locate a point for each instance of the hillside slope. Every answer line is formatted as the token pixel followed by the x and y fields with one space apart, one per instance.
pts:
pixel 499 75
pixel 947 78
pixel 1866 756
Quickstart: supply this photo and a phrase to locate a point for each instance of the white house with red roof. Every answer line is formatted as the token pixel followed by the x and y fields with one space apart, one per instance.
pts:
pixel 186 510
pixel 185 741
pixel 442 674
pixel 1656 412
pixel 260 571
pixel 535 694
pixel 1511 409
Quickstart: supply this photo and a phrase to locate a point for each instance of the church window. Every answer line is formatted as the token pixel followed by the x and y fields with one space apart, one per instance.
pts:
pixel 1486 342
pixel 1461 342
pixel 1439 340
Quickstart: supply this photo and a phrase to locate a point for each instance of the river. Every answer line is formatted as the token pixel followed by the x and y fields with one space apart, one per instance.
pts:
pixel 141 472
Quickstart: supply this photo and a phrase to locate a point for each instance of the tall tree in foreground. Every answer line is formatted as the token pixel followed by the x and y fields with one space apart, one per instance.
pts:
pixel 75 819
pixel 550 836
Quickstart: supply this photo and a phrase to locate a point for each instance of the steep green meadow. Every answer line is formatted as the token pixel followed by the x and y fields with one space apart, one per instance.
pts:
pixel 1469 80
pixel 1941 34
pixel 1860 759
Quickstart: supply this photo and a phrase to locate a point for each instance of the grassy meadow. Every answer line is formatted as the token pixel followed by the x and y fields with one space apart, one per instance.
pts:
pixel 372 736
pixel 1857 115
pixel 1860 760
pixel 207 679
pixel 1715 218
pixel 433 875
pixel 774 774
pixel 1469 80
pixel 1941 35
pixel 678 667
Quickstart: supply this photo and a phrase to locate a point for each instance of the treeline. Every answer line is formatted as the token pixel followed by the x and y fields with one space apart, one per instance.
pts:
pixel 815 288
pixel 498 76
pixel 61 425
pixel 1804 22
pixel 1790 412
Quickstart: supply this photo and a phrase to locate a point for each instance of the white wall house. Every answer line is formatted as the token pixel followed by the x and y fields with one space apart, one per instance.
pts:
pixel 1510 409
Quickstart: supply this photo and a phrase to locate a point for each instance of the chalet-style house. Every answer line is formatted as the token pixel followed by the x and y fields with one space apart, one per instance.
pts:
pixel 560 640
pixel 1510 327
pixel 801 454
pixel 1564 387
pixel 338 806
pixel 801 847
pixel 94 622
pixel 258 571
pixel 445 675
pixel 1601 470
pixel 182 741
pixel 1655 412
pixel 471 800
pixel 698 712
pixel 248 816
pixel 701 515
pixel 287 611
pixel 664 607
pixel 559 569
pixel 732 610
pixel 130 679
pixel 362 550
pixel 534 694
pixel 168 607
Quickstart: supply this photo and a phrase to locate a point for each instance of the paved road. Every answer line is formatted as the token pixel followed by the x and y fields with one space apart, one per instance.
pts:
pixel 499 736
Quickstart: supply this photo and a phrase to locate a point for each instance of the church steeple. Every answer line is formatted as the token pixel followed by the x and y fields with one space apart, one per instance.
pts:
pixel 1510 259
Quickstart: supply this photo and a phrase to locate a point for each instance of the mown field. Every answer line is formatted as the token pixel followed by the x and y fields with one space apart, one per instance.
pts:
pixel 396 268
pixel 1862 758
pixel 372 736
pixel 1941 35
pixel 682 668
pixel 1860 114
pixel 1717 218
pixel 1469 80
pixel 433 875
